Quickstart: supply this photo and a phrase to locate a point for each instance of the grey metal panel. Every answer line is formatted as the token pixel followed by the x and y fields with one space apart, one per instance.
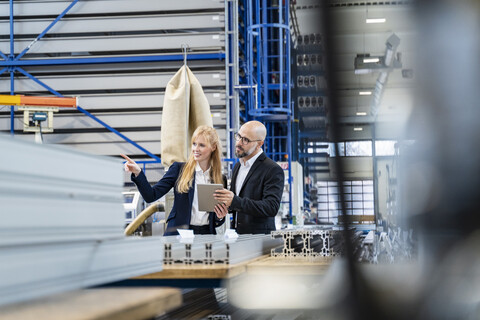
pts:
pixel 119 120
pixel 159 66
pixel 52 7
pixel 108 82
pixel 116 24
pixel 116 148
pixel 132 101
pixel 40 193
pixel 89 137
pixel 118 43
pixel 31 271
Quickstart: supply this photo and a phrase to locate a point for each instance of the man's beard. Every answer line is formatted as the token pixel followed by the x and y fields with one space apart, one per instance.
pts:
pixel 242 154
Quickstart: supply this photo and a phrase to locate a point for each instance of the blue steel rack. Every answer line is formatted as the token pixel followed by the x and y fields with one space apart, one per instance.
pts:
pixel 267 75
pixel 13 63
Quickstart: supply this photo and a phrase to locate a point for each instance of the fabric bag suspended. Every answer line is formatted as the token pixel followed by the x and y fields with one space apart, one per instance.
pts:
pixel 185 108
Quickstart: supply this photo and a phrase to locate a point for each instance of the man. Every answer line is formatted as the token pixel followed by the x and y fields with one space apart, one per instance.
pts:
pixel 257 184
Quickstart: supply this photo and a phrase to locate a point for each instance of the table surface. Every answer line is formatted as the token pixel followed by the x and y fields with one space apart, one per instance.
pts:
pixel 266 263
pixel 97 304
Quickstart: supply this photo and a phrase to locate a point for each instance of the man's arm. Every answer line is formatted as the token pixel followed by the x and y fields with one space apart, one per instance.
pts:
pixel 267 206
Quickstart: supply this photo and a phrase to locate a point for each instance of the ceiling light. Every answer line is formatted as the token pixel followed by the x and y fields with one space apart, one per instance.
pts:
pixel 365 93
pixel 376 20
pixel 358 129
pixel 360 113
pixel 371 60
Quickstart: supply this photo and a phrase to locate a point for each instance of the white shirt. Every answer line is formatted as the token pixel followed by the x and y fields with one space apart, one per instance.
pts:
pixel 199 218
pixel 245 167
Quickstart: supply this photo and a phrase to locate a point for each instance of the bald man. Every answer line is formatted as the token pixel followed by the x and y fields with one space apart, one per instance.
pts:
pixel 257 184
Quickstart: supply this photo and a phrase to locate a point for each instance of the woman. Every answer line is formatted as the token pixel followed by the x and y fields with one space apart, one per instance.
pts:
pixel 203 166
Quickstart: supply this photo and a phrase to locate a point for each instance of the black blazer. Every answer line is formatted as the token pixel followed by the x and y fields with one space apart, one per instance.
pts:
pixel 256 204
pixel 179 217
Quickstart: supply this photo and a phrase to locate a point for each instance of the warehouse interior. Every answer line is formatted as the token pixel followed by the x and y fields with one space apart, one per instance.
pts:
pixel 371 111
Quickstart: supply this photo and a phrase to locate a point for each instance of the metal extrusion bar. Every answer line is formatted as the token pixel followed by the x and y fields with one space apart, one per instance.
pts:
pixel 307 243
pixel 210 249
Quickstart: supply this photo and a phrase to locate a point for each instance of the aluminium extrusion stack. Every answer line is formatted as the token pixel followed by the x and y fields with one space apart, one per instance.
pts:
pixel 62 221
pixel 210 249
pixel 307 242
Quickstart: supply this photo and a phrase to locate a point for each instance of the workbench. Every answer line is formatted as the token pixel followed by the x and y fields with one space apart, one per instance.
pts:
pixel 97 304
pixel 214 276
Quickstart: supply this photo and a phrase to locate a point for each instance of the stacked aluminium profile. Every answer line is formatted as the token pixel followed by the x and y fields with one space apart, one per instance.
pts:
pixel 62 222
pixel 307 242
pixel 211 250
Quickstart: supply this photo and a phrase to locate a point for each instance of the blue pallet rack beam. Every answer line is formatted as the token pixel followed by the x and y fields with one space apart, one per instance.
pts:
pixel 106 60
pixel 14 63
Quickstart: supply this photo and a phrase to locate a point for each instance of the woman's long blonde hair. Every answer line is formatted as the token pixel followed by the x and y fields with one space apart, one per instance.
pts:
pixel 186 176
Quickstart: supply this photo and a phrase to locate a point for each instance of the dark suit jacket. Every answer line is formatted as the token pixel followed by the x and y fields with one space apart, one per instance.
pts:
pixel 179 217
pixel 256 204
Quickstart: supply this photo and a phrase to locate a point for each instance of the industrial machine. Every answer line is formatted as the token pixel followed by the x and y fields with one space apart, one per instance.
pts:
pixel 133 205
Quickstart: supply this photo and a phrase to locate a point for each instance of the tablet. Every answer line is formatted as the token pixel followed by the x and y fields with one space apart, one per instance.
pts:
pixel 206 201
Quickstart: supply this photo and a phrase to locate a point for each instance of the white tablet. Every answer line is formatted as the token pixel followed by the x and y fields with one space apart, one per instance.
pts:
pixel 206 201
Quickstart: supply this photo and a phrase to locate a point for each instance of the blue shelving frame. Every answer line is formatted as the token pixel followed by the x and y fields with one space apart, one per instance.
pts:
pixel 266 66
pixel 13 63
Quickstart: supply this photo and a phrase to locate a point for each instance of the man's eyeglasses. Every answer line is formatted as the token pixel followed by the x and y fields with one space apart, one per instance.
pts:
pixel 244 140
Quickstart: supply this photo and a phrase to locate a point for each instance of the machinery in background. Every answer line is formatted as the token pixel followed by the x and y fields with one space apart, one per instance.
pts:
pixel 134 205
pixel 297 195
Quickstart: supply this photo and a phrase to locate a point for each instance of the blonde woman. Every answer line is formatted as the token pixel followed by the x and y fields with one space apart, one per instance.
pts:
pixel 203 166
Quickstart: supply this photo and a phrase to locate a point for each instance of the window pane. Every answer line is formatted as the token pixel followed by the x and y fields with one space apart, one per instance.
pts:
pixel 369 205
pixel 357 197
pixel 358 148
pixel 385 148
pixel 333 198
pixel 357 205
pixel 368 196
pixel 322 206
pixel 368 189
pixel 357 189
pixel 322 198
pixel 322 183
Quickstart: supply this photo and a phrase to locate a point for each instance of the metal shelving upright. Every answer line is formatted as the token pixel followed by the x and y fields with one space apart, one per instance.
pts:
pixel 266 65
